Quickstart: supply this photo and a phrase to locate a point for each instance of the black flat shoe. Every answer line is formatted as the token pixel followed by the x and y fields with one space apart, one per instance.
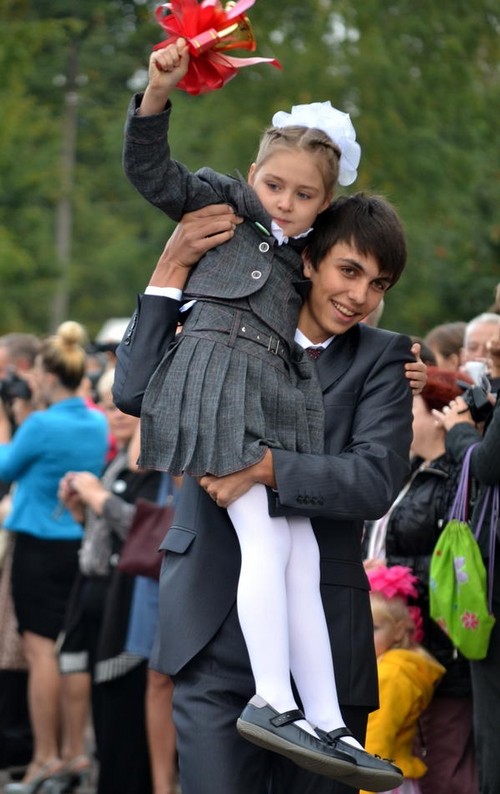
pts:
pixel 264 726
pixel 371 772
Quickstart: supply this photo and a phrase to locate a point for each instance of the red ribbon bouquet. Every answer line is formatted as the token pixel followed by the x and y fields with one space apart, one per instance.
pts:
pixel 210 30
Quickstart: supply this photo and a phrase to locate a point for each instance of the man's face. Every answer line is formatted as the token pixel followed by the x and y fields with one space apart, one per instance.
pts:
pixel 476 340
pixel 345 288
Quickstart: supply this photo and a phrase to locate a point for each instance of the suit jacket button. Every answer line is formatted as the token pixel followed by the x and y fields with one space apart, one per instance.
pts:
pixel 300 499
pixel 321 501
pixel 307 500
pixel 256 274
pixel 263 247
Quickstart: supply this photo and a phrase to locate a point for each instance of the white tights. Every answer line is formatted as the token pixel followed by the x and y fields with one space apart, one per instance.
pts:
pixel 281 612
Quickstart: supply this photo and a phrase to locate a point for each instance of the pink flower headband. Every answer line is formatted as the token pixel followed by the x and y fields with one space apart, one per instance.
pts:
pixel 395 581
pixel 398 582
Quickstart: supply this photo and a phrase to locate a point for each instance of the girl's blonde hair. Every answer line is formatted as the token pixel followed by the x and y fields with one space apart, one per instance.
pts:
pixel 63 354
pixel 396 610
pixel 308 139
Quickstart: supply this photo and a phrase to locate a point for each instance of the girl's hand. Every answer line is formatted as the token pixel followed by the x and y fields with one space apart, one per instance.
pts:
pixel 167 67
pixel 416 371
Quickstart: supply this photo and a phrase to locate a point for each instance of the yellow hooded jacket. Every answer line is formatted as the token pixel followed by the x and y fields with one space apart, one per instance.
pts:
pixel 407 679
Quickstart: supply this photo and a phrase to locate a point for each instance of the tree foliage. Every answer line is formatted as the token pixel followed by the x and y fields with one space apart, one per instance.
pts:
pixel 421 82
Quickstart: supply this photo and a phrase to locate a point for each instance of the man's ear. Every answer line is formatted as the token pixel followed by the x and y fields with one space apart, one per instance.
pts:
pixel 251 173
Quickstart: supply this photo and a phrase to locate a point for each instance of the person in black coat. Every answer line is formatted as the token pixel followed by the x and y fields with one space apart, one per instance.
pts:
pixel 485 469
pixel 413 527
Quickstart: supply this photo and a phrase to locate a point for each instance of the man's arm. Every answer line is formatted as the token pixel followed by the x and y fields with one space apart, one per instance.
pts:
pixel 361 480
pixel 146 340
pixel 153 325
pixel 364 471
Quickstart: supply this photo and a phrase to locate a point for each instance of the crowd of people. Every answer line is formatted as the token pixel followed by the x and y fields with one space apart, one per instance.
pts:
pixel 68 462
pixel 73 654
pixel 70 656
pixel 288 647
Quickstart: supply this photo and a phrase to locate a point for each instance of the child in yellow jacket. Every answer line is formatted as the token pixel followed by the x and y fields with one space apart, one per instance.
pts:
pixel 407 673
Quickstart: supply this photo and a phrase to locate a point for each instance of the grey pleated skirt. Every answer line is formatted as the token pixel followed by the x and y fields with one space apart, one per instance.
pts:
pixel 214 403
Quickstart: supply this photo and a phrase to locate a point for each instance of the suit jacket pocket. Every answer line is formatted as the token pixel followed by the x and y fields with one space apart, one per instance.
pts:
pixel 178 540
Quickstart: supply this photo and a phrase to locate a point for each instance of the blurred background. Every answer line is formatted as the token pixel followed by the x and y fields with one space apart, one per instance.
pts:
pixel 420 79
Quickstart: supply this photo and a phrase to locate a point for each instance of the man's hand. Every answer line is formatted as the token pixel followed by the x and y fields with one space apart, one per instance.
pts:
pixel 196 234
pixel 416 371
pixel 225 490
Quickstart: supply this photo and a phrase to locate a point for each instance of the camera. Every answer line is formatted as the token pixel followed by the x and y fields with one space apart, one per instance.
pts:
pixel 13 386
pixel 478 403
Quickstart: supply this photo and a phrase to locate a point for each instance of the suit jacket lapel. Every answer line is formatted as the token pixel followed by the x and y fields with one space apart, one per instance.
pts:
pixel 337 358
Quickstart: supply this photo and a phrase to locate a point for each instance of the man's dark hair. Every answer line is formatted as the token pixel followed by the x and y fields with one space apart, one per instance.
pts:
pixel 370 224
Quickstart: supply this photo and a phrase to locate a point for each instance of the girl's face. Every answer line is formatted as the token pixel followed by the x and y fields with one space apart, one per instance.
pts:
pixel 387 633
pixel 290 186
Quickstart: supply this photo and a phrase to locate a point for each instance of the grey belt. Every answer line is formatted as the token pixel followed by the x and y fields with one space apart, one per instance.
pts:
pixel 272 343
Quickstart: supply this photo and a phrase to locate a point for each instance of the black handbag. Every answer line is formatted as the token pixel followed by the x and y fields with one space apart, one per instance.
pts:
pixel 140 555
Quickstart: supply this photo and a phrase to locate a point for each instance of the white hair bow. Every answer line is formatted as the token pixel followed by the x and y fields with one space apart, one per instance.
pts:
pixel 336 124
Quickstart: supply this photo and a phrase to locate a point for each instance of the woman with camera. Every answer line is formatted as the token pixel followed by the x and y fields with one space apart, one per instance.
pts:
pixel 65 435
pixel 462 432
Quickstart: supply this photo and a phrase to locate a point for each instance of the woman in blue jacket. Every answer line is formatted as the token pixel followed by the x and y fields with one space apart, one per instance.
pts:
pixel 67 435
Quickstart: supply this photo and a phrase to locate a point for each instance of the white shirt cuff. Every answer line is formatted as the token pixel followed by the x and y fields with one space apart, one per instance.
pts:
pixel 165 292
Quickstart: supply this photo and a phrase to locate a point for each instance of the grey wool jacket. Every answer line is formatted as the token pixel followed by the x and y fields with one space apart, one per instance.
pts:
pixel 238 270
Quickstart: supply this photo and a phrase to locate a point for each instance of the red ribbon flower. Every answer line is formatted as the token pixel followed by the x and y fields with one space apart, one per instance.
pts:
pixel 209 30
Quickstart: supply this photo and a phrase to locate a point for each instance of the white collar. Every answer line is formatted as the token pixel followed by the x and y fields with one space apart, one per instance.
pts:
pixel 281 237
pixel 304 342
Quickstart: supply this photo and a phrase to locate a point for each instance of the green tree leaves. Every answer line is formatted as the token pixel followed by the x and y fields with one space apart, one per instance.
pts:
pixel 421 83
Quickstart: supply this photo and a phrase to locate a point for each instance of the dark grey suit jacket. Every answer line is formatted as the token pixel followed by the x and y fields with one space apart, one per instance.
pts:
pixel 368 434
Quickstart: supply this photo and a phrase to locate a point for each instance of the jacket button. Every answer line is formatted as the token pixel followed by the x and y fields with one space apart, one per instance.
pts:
pixel 256 274
pixel 300 499
pixel 263 248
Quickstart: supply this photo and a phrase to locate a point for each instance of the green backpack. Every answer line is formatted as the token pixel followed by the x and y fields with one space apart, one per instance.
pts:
pixel 460 601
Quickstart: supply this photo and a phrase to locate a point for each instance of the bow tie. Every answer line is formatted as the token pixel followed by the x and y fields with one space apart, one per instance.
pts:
pixel 314 352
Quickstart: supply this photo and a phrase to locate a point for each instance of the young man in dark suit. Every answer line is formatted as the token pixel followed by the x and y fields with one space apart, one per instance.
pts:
pixel 356 253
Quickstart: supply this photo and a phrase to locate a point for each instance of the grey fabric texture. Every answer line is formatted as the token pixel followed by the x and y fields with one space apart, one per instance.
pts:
pixel 217 398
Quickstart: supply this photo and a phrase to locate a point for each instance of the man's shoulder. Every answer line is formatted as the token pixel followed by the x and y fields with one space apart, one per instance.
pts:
pixel 378 340
pixel 380 336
